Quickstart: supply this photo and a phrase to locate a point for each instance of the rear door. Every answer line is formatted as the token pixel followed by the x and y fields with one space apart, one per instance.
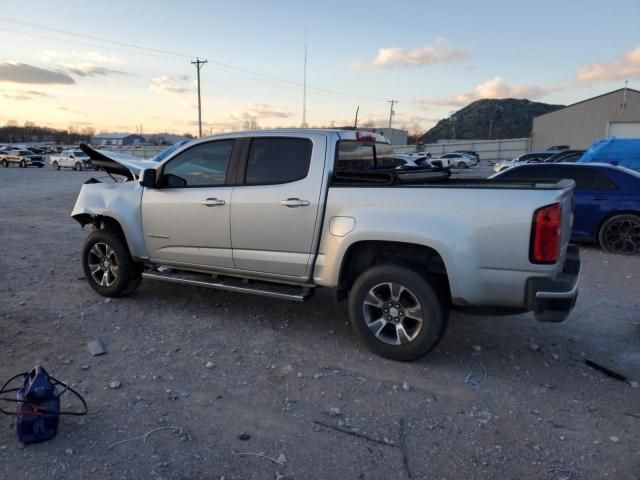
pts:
pixel 274 212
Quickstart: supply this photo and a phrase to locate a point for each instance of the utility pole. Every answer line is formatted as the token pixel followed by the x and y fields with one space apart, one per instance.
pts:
pixel 199 64
pixel 355 123
pixel 304 87
pixel 391 114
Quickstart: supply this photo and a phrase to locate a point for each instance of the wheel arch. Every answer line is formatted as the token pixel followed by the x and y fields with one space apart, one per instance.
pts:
pixel 422 259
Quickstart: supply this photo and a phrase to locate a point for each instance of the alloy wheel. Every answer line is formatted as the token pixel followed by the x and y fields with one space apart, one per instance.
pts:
pixel 103 264
pixel 393 313
pixel 623 236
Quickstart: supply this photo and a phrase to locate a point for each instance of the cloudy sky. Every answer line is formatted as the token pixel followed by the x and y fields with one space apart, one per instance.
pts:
pixel 117 65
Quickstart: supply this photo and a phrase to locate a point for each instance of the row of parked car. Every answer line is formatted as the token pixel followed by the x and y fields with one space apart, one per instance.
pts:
pixel 606 193
pixel 459 159
pixel 33 157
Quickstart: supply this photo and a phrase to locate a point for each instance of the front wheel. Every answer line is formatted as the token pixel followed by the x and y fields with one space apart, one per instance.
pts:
pixel 396 312
pixel 461 165
pixel 77 166
pixel 23 164
pixel 56 165
pixel 5 164
pixel 107 265
pixel 621 234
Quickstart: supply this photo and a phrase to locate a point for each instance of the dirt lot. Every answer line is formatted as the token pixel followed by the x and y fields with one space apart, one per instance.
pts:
pixel 502 397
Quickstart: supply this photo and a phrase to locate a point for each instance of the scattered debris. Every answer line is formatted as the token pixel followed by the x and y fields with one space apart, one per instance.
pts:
pixel 68 451
pixel 605 370
pixel 96 348
pixel 261 455
pixel 405 386
pixel 114 384
pixel 179 430
pixel 635 415
pixel 334 412
pixel 85 367
pixel 282 459
pixel 534 347
pixel 634 384
pixel 210 365
pixel 244 436
pixel 476 348
pixel 614 439
pixel 356 434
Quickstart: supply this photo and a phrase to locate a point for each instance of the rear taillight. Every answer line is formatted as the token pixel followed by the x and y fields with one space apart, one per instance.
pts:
pixel 546 233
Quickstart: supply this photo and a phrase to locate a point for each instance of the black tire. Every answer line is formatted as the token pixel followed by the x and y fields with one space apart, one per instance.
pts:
pixel 128 273
pixel 23 164
pixel 40 166
pixel 461 165
pixel 5 164
pixel 77 167
pixel 424 339
pixel 56 165
pixel 621 234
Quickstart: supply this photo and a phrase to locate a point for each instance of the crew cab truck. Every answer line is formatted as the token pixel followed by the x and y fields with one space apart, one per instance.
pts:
pixel 76 159
pixel 281 213
pixel 22 157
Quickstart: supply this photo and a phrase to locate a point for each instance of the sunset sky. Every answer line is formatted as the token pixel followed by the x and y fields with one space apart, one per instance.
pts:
pixel 117 65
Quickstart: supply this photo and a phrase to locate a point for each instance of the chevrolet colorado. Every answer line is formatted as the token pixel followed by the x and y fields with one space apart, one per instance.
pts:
pixel 281 213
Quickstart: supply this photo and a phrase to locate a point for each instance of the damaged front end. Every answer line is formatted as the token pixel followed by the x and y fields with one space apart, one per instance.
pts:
pixel 115 204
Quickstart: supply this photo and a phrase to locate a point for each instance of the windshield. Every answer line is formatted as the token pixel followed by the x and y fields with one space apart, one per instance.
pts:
pixel 167 151
pixel 25 152
pixel 79 153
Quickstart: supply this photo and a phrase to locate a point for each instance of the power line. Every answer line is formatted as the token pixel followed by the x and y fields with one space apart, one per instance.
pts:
pixel 178 54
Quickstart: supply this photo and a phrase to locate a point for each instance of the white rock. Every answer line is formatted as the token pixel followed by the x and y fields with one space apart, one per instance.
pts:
pixel 115 384
pixel 634 384
pixel 476 348
pixel 210 365
pixel 614 439
pixel 335 411
pixel 405 386
pixel 281 458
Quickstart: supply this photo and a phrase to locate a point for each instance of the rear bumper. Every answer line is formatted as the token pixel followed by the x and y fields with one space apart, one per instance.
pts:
pixel 552 299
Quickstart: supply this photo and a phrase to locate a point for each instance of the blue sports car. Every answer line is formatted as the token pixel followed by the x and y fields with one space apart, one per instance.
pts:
pixel 607 201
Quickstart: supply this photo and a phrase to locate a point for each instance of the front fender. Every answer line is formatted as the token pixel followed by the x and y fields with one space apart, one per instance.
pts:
pixel 120 201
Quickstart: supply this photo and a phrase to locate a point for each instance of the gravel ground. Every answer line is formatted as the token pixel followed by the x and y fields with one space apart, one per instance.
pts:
pixel 502 397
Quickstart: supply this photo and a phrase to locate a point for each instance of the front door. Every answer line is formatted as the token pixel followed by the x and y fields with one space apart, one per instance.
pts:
pixel 186 219
pixel 274 213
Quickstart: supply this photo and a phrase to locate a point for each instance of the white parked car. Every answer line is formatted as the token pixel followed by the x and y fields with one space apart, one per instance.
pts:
pixel 415 160
pixel 455 160
pixel 530 157
pixel 76 159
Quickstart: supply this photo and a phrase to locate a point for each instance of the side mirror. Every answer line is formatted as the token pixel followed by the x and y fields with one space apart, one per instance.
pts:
pixel 148 178
pixel 71 156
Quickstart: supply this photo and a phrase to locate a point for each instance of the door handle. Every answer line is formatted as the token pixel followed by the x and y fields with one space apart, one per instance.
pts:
pixel 294 203
pixel 212 202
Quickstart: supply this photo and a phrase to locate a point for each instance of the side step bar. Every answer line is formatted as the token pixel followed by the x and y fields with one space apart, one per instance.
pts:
pixel 265 289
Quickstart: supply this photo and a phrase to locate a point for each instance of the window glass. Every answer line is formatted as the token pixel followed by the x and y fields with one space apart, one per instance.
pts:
pixel 585 178
pixel 278 160
pixel 201 166
pixel 357 155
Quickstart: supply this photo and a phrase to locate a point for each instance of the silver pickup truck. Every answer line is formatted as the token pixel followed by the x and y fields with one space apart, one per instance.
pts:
pixel 281 213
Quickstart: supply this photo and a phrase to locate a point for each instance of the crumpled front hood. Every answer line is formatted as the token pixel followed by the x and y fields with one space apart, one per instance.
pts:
pixel 118 163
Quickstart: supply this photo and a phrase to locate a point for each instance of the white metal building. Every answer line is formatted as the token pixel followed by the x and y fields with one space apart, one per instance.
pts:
pixel 119 139
pixel 615 113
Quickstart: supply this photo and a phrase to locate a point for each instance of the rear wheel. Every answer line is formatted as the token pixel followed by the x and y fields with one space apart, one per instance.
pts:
pixel 461 165
pixel 5 164
pixel 23 164
pixel 56 165
pixel 108 266
pixel 396 312
pixel 621 234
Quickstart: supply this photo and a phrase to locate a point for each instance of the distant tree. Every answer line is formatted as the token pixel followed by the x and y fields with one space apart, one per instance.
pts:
pixel 188 135
pixel 88 131
pixel 29 124
pixel 368 124
pixel 12 124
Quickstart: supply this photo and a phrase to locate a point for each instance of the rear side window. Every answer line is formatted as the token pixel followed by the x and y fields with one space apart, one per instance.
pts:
pixel 278 160
pixel 585 178
pixel 356 155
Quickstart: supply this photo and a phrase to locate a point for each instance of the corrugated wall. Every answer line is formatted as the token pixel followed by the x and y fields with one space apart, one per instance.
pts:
pixel 579 125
